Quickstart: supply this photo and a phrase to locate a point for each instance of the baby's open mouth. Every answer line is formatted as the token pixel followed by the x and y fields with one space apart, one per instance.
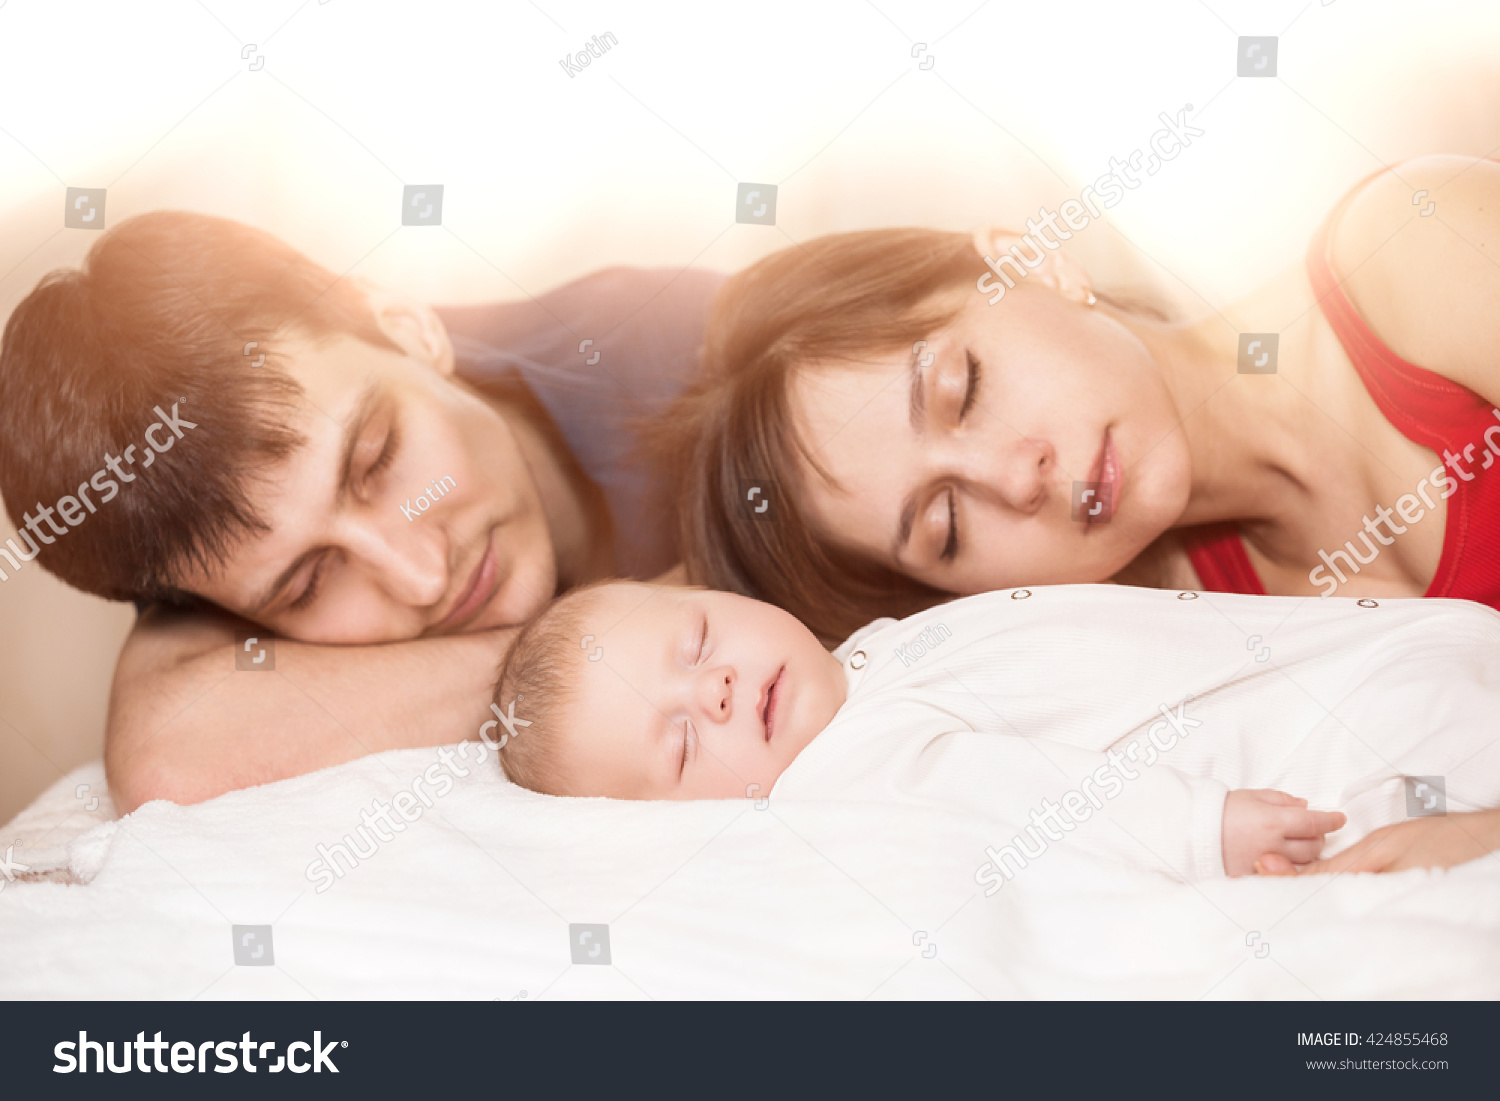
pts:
pixel 768 712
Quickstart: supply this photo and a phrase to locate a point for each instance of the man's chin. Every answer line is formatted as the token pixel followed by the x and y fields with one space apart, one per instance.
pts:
pixel 526 590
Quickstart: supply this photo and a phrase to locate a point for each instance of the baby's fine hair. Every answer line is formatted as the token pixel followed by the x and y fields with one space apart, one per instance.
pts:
pixel 539 677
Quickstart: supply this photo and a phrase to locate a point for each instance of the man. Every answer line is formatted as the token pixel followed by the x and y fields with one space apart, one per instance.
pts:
pixel 386 487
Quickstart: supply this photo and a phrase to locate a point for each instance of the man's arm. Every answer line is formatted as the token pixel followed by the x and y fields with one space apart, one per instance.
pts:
pixel 185 725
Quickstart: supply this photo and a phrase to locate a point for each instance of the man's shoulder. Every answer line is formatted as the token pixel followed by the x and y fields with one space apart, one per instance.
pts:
pixel 598 303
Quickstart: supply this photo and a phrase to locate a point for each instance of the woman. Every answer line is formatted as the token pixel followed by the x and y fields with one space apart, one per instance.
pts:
pixel 877 429
pixel 919 435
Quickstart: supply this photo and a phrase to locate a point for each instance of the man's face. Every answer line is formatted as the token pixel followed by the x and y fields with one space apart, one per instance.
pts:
pixel 409 511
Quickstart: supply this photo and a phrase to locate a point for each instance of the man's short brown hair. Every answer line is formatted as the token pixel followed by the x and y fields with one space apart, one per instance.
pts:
pixel 165 309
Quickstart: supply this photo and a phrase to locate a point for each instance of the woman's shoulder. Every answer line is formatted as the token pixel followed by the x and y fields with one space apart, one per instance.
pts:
pixel 1417 250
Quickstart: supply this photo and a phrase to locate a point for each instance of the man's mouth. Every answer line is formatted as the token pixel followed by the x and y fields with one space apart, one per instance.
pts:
pixel 772 697
pixel 476 593
pixel 1105 479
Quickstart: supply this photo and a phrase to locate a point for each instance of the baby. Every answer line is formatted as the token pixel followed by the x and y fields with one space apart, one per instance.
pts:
pixel 1008 702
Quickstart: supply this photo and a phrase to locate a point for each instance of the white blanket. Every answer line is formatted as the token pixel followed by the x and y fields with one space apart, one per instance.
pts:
pixel 1140 712
pixel 709 899
pixel 478 895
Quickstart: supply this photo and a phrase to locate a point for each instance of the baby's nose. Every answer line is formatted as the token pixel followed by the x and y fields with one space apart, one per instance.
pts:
pixel 718 694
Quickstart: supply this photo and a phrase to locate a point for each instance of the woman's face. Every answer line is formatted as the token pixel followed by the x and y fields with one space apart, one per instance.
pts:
pixel 1030 442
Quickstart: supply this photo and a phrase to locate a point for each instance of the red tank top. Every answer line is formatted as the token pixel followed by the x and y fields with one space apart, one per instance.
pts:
pixel 1424 407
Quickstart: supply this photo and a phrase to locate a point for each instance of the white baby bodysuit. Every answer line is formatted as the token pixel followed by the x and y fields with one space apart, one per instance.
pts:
pixel 1117 719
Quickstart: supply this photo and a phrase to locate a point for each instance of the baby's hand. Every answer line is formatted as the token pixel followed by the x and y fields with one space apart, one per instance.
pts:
pixel 1259 822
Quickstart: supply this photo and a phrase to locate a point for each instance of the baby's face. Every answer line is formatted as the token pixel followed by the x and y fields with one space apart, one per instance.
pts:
pixel 697 695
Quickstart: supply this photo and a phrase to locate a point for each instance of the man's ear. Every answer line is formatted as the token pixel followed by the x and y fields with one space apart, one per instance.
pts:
pixel 1057 269
pixel 413 326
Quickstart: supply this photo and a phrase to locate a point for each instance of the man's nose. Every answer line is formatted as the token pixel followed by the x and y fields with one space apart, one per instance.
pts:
pixel 409 560
pixel 715 692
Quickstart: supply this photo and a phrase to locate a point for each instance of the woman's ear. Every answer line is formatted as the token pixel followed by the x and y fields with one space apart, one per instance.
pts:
pixel 414 327
pixel 1051 267
pixel 991 241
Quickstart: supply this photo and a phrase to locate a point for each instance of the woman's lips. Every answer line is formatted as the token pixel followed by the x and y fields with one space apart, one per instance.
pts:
pixel 1106 473
pixel 768 711
pixel 477 593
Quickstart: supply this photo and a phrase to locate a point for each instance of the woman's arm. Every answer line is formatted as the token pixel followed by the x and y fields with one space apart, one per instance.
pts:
pixel 1438 842
pixel 1418 250
pixel 186 725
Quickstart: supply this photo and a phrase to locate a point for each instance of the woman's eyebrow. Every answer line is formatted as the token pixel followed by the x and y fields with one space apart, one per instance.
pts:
pixel 917 397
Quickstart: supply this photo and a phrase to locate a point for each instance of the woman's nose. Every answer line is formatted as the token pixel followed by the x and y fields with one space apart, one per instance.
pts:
pixel 1021 472
pixel 715 690
pixel 411 564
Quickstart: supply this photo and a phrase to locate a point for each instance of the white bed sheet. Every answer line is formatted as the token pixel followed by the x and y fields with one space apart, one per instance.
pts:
pixel 475 900
pixel 40 835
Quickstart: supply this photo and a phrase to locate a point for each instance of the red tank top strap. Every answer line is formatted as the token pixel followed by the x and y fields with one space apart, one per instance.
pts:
pixel 1218 555
pixel 1437 413
pixel 1426 408
pixel 1421 405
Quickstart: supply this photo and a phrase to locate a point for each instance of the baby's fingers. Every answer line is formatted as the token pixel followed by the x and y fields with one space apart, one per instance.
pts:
pixel 1274 864
pixel 1280 798
pixel 1304 825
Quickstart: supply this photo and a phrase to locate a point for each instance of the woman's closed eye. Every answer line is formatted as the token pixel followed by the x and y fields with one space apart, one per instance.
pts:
pixel 938 527
pixel 950 547
pixel 971 396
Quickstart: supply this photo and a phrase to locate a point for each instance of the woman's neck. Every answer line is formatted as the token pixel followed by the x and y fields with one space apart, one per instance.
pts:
pixel 1242 431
